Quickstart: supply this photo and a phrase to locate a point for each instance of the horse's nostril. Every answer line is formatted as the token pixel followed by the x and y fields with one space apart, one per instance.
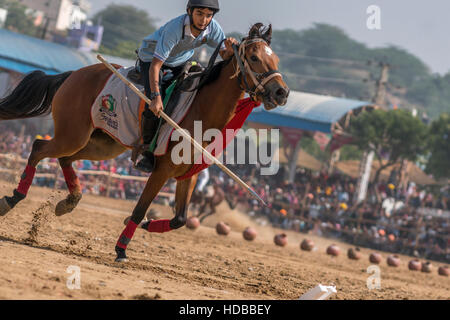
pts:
pixel 281 92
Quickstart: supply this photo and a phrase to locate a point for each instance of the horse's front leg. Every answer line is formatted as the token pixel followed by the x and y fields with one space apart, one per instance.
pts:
pixel 182 198
pixel 212 209
pixel 154 184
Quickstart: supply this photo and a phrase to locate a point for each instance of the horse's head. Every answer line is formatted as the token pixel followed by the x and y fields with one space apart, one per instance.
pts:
pixel 258 65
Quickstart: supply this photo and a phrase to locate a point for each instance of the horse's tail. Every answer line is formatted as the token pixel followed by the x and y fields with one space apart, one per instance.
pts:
pixel 32 97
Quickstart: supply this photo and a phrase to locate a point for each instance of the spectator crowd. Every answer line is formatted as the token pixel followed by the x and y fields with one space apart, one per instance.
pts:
pixel 414 220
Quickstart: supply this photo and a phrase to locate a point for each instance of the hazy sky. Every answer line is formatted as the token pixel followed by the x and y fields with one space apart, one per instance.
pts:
pixel 421 27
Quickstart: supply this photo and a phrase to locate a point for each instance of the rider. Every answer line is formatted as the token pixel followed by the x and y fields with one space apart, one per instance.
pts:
pixel 203 178
pixel 168 49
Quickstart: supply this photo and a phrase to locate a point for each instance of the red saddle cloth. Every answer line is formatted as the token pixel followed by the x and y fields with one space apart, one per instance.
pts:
pixel 243 110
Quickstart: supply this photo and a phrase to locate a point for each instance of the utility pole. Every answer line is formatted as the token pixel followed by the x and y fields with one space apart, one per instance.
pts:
pixel 365 166
pixel 46 27
pixel 380 93
pixel 44 30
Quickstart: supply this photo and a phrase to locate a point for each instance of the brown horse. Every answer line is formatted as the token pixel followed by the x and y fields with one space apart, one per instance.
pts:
pixel 207 204
pixel 69 96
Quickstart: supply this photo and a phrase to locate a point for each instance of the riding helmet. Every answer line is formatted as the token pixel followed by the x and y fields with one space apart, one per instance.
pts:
pixel 211 4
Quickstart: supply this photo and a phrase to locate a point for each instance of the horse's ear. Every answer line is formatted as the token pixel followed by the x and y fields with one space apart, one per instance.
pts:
pixel 255 31
pixel 268 34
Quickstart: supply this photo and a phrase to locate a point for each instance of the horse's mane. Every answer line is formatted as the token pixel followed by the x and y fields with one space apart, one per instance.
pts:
pixel 214 74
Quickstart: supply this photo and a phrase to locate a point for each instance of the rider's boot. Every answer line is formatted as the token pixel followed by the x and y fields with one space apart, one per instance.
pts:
pixel 149 127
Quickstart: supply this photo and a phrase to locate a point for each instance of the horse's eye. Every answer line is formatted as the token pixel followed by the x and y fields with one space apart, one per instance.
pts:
pixel 254 58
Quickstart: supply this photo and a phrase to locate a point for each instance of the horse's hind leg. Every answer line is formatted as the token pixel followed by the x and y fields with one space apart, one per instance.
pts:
pixel 212 206
pixel 206 215
pixel 100 147
pixel 73 184
pixel 41 149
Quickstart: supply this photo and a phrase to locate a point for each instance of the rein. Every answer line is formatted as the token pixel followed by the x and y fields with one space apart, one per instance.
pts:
pixel 205 74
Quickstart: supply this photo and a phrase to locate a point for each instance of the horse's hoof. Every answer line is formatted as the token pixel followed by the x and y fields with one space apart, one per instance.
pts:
pixel 121 255
pixel 67 205
pixel 62 208
pixel 4 207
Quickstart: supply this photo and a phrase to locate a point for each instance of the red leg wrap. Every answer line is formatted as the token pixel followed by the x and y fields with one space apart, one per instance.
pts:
pixel 71 180
pixel 159 226
pixel 26 180
pixel 126 235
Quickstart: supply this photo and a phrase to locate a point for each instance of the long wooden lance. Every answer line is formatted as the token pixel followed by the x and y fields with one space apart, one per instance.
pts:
pixel 182 132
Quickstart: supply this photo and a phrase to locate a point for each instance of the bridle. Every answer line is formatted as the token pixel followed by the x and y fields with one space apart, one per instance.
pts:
pixel 243 68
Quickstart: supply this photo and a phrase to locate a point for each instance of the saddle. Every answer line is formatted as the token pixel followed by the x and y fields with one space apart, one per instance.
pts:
pixel 170 96
pixel 182 83
pixel 136 77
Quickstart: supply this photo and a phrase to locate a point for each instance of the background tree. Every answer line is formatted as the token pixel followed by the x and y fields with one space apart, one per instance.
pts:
pixel 350 152
pixel 17 19
pixel 439 143
pixel 325 60
pixel 397 134
pixel 124 49
pixel 433 93
pixel 125 28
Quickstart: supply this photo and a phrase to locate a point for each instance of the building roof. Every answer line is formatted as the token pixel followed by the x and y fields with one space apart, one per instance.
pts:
pixel 22 53
pixel 307 111
pixel 415 174
pixel 304 160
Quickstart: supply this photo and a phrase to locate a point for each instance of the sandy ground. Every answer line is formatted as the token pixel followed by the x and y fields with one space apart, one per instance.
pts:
pixel 37 248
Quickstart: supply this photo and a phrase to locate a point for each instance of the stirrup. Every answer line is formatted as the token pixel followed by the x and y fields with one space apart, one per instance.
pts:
pixel 137 150
pixel 147 163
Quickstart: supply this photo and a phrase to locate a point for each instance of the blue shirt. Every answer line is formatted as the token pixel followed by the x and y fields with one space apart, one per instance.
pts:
pixel 174 43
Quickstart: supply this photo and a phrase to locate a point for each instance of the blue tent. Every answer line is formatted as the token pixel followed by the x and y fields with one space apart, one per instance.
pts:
pixel 307 111
pixel 23 54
